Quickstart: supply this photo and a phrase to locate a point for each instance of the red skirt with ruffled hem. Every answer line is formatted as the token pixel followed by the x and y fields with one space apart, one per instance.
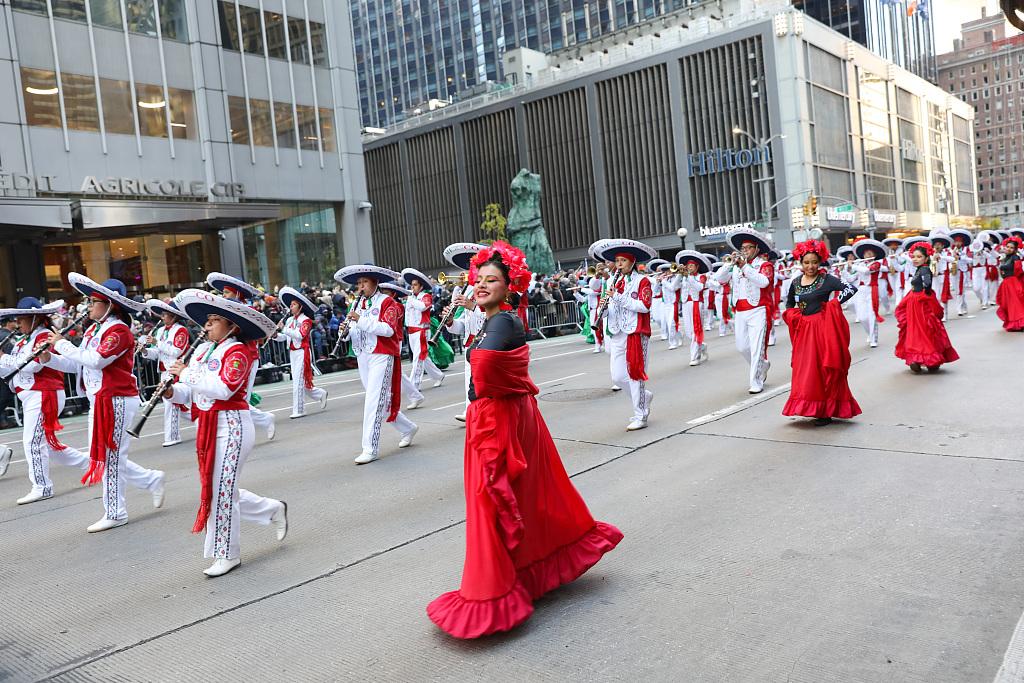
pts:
pixel 527 529
pixel 821 364
pixel 1010 300
pixel 923 337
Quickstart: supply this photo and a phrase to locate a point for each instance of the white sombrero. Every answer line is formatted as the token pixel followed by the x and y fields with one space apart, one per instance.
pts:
pixel 461 253
pixel 842 251
pixel 290 294
pixel 111 290
pixel 914 239
pixel 221 281
pixel 592 251
pixel 892 242
pixel 656 264
pixel 607 250
pixel 738 236
pixel 964 235
pixel 30 305
pixel 861 247
pixel 395 287
pixel 350 274
pixel 411 275
pixel 989 236
pixel 199 305
pixel 156 307
pixel 690 256
pixel 939 235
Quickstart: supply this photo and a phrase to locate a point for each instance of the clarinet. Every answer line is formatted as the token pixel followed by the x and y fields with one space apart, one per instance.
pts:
pixel 38 352
pixel 158 393
pixel 343 327
pixel 445 321
pixel 611 288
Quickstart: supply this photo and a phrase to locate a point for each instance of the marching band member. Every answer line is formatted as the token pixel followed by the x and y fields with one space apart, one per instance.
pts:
pixel 963 260
pixel 723 305
pixel 297 329
pixel 695 265
pixel 671 288
pixel 417 318
pixel 751 277
pixel 872 276
pixel 923 339
pixel 527 528
pixel 773 255
pixel 628 304
pixel 470 320
pixel 657 271
pixel 40 388
pixel 1010 297
pixel 104 366
pixel 234 289
pixel 993 254
pixel 941 262
pixel 215 383
pixel 166 346
pixel 821 340
pixel 398 292
pixel 895 275
pixel 375 331
pixel 589 295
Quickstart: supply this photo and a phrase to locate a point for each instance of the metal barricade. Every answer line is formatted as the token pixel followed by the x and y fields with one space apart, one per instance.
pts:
pixel 559 317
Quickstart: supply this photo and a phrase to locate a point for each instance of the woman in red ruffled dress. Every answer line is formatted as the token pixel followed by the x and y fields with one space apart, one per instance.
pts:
pixel 527 528
pixel 821 339
pixel 1010 296
pixel 923 339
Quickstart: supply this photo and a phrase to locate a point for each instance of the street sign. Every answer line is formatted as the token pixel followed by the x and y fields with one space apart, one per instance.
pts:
pixel 759 224
pixel 844 209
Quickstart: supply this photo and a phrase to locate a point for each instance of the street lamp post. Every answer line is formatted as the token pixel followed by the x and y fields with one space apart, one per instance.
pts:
pixel 682 233
pixel 761 144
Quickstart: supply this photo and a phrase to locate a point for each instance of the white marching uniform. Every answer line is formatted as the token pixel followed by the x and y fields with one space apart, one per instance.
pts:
pixel 297 331
pixel 992 261
pixel 940 278
pixel 171 342
pixel 417 319
pixel 691 289
pixel 750 288
pixel 590 294
pixel 628 313
pixel 468 324
pixel 103 368
pixel 862 303
pixel 670 288
pixel 894 261
pixel 217 379
pixel 961 282
pixel 30 385
pixel 376 348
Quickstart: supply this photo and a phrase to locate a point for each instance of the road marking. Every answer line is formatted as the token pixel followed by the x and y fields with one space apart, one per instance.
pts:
pixel 567 353
pixel 736 407
pixel 552 381
pixel 1012 670
pixel 460 403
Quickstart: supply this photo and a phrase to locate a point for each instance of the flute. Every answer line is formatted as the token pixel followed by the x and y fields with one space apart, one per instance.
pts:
pixel 158 393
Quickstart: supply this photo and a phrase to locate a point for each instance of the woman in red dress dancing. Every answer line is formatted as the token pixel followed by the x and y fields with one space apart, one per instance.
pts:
pixel 1010 296
pixel 923 339
pixel 527 528
pixel 821 339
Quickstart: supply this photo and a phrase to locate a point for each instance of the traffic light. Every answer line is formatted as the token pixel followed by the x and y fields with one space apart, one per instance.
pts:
pixel 807 209
pixel 814 204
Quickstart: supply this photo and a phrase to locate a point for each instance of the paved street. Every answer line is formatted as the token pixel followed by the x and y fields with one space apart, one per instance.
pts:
pixel 757 547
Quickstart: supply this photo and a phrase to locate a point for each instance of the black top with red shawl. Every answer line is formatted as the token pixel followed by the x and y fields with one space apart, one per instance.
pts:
pixel 809 299
pixel 922 279
pixel 1007 265
pixel 503 331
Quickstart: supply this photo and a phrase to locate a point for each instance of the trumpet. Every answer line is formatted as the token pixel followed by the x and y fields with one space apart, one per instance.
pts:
pixel 591 271
pixel 446 319
pixel 673 268
pixel 460 279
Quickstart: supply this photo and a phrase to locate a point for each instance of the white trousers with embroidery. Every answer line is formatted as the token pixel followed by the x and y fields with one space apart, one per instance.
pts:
pixel 38 451
pixel 258 416
pixel 751 328
pixel 299 359
pixel 667 323
pixel 960 292
pixel 421 364
pixel 120 471
pixel 410 389
pixel 616 345
pixel 687 316
pixel 172 416
pixel 720 304
pixel 865 312
pixel 231 504
pixel 980 285
pixel 375 372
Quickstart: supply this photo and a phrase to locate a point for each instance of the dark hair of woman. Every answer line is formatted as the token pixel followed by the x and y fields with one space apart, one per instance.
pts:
pixel 924 252
pixel 495 260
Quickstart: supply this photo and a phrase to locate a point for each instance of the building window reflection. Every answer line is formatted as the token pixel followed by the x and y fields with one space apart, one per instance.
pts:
pixel 173 24
pixel 239 120
pixel 40 91
pixel 183 114
pixel 327 131
pixel 306 127
pixel 106 13
pixel 297 39
pixel 80 102
pixel 140 15
pixel 276 46
pixel 228 26
pixel 285 124
pixel 262 128
pixel 252 32
pixel 118 111
pixel 301 246
pixel 151 107
pixel 69 9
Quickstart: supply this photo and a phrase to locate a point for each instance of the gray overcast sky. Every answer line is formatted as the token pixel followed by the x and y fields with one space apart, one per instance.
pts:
pixel 947 16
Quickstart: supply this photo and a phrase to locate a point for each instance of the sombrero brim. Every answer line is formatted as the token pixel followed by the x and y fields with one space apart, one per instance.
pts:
pixel 199 305
pixel 964 235
pixel 395 287
pixel 88 287
pixel 221 280
pixel 860 248
pixel 411 275
pixel 890 241
pixel 944 239
pixel 461 253
pixel 736 238
pixel 641 253
pixel 290 294
pixel 1017 233
pixel 989 236
pixel 350 274
pixel 657 263
pixel 47 309
pixel 702 265
pixel 158 307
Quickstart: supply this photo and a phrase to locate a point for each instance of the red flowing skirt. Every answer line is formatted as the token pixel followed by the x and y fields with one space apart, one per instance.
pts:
pixel 923 337
pixel 527 529
pixel 821 364
pixel 1010 300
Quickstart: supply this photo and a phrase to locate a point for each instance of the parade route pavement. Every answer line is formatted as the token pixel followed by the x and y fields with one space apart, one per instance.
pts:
pixel 757 547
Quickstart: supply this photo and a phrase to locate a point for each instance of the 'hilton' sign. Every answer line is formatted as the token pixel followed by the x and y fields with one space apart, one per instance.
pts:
pixel 718 160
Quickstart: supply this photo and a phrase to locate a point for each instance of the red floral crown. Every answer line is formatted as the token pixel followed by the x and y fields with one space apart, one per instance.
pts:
pixel 1019 241
pixel 924 245
pixel 811 247
pixel 518 271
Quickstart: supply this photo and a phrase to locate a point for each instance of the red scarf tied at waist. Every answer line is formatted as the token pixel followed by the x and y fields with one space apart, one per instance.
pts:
pixel 206 452
pixel 396 388
pixel 698 324
pixel 103 438
pixel 635 356
pixel 875 272
pixel 50 424
pixel 423 342
pixel 992 273
pixel 946 294
pixel 307 367
pixel 725 303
